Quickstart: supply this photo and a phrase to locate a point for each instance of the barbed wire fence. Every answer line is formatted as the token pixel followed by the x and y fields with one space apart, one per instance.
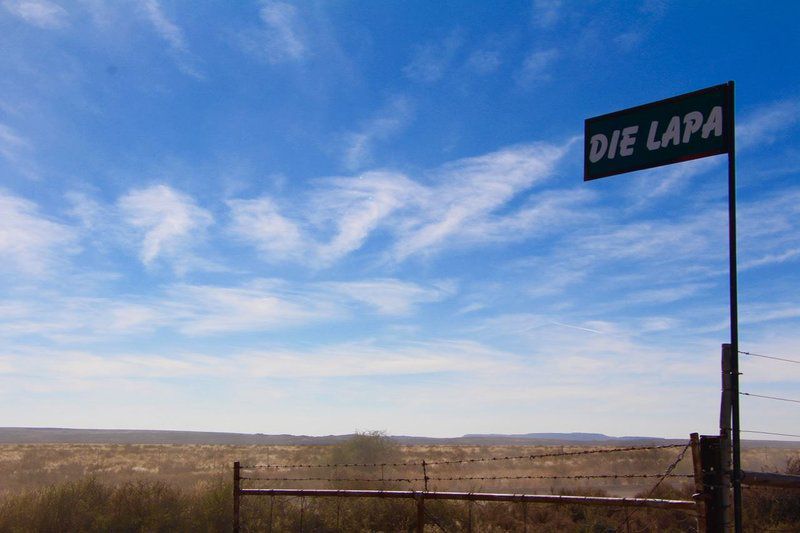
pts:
pixel 253 478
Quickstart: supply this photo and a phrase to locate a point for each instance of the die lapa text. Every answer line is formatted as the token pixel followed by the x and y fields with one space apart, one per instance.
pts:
pixel 679 130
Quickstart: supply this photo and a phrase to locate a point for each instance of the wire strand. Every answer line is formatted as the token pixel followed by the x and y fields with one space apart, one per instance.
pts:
pixel 768 433
pixel 769 397
pixel 784 359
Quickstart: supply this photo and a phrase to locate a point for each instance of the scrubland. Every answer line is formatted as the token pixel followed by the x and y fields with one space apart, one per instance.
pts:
pixel 92 487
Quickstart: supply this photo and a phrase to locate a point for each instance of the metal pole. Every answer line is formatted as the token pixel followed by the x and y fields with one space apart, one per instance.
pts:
pixel 713 487
pixel 420 514
pixel 737 464
pixel 725 415
pixel 236 495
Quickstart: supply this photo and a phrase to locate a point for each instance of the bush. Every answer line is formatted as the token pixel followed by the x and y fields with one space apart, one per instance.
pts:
pixel 89 505
pixel 366 447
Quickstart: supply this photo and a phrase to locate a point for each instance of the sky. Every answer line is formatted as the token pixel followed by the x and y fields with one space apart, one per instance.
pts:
pixel 318 217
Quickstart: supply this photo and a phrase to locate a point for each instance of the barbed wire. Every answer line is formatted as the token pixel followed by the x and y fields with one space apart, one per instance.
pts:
pixel 360 480
pixel 768 433
pixel 769 397
pixel 555 454
pixel 784 359
pixel 667 473
pixel 467 461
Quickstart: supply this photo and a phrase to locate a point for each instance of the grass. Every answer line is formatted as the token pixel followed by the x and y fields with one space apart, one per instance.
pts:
pixel 187 488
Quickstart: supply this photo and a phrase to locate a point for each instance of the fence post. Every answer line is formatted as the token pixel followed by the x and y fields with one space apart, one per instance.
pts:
pixel 725 415
pixel 420 514
pixel 236 495
pixel 713 487
pixel 698 483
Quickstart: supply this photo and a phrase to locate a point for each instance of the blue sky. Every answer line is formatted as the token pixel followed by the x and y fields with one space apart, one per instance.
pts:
pixel 316 217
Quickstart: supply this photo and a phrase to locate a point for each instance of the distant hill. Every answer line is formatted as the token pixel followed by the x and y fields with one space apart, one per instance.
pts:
pixel 570 437
pixel 135 436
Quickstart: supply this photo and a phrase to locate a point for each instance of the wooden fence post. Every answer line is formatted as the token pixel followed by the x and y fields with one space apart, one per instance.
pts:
pixel 699 493
pixel 236 495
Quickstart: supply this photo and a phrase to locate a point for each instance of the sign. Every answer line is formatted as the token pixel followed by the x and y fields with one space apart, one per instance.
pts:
pixel 689 126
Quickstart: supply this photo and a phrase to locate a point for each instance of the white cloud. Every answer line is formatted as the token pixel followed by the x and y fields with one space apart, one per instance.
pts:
pixel 173 35
pixel 431 61
pixel 328 361
pixel 762 125
pixel 11 142
pixel 484 61
pixel 771 259
pixel 536 67
pixel 283 37
pixel 30 243
pixel 163 25
pixel 195 309
pixel 391 296
pixel 17 150
pixel 388 121
pixel 356 207
pixel 264 305
pixel 665 294
pixel 40 13
pixel 464 204
pixel 166 221
pixel 546 12
pixel 461 206
pixel 259 221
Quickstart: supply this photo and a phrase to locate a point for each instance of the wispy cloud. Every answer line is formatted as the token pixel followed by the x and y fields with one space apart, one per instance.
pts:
pixel 461 206
pixel 391 296
pixel 167 223
pixel 40 13
pixel 546 12
pixel 260 222
pixel 431 60
pixel 332 361
pixel 282 37
pixel 485 61
pixel 536 67
pixel 173 35
pixel 387 122
pixel 467 195
pixel 762 125
pixel 771 259
pixel 17 150
pixel 205 310
pixel 30 243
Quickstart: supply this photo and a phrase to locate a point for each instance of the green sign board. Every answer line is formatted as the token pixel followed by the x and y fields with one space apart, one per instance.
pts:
pixel 681 128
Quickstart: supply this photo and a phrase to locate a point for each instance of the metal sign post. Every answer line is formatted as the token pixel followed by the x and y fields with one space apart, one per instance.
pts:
pixel 682 128
pixel 734 305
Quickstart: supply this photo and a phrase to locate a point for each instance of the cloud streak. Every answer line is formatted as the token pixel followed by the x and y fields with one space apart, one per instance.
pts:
pixel 389 121
pixel 174 37
pixel 30 243
pixel 40 13
pixel 462 204
pixel 281 37
pixel 166 221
